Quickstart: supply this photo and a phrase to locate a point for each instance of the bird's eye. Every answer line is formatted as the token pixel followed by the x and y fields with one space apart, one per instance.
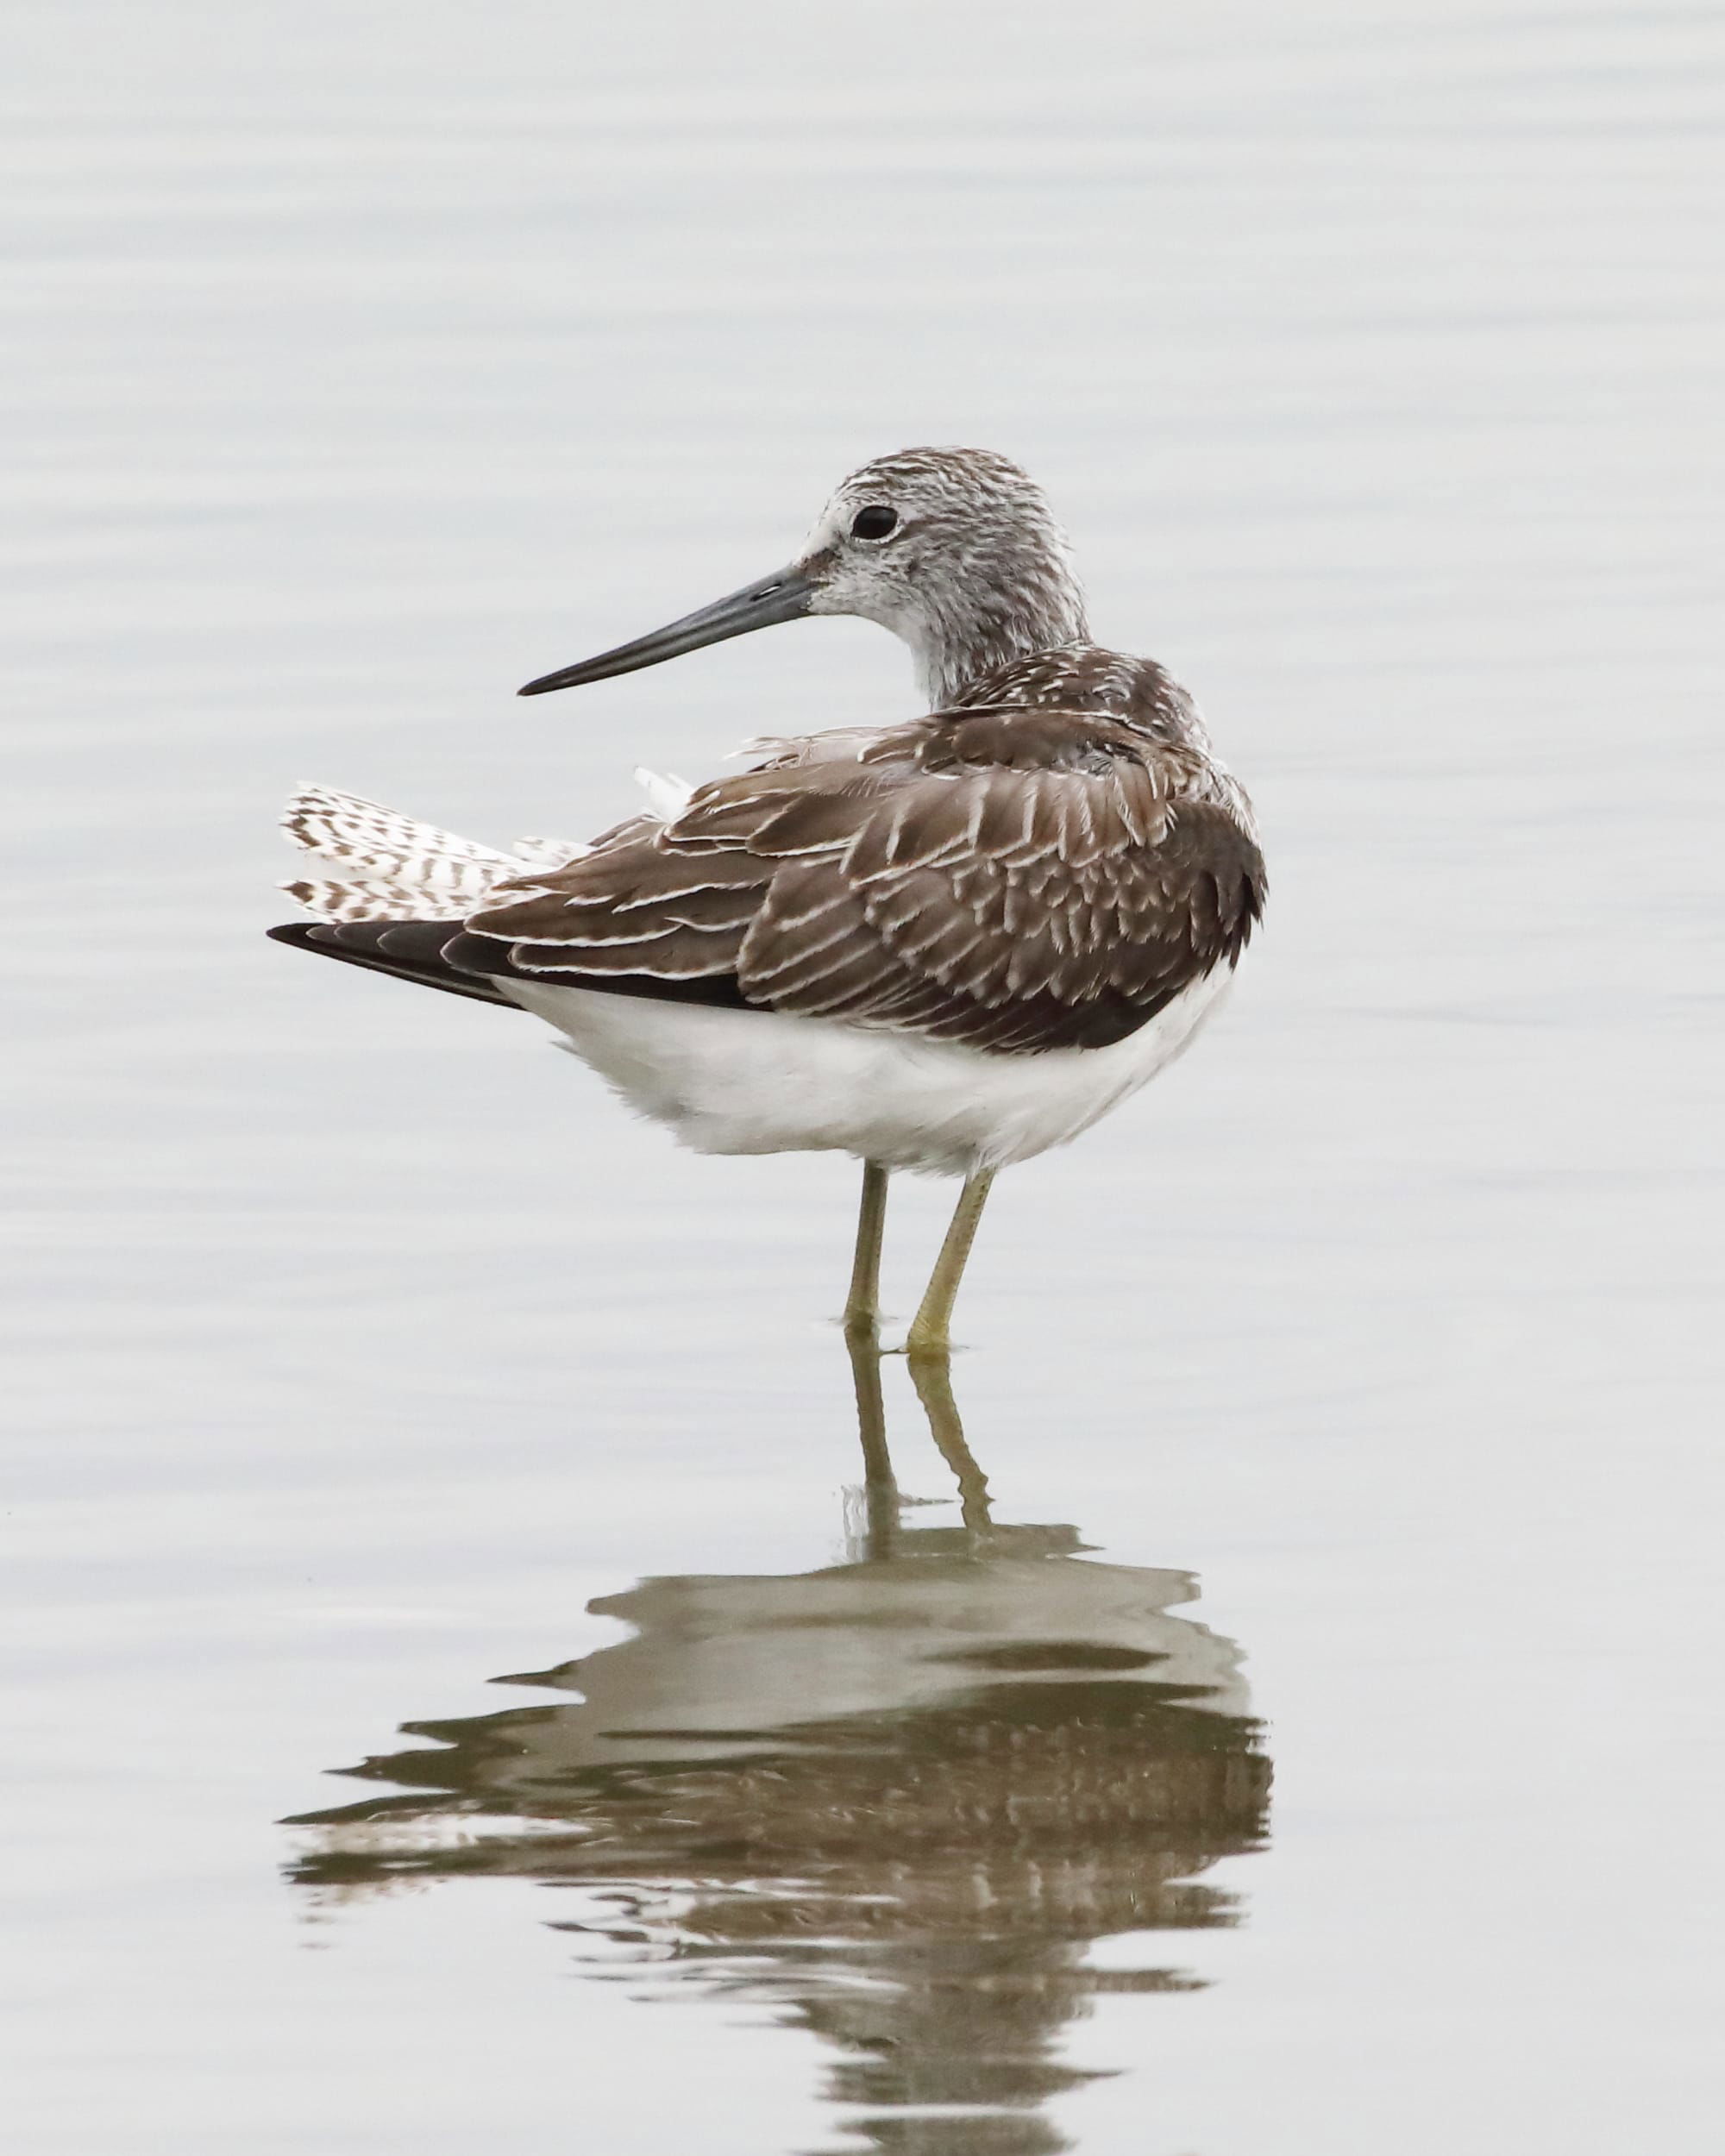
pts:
pixel 872 523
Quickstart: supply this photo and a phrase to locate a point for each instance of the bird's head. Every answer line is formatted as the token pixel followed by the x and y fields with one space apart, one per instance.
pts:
pixel 954 550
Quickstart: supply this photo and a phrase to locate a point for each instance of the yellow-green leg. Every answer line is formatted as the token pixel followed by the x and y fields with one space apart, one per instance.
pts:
pixel 932 1375
pixel 880 1490
pixel 931 1332
pixel 862 1305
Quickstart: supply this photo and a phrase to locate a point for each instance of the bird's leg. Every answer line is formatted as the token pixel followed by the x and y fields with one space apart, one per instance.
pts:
pixel 931 1329
pixel 879 1489
pixel 862 1305
pixel 932 1375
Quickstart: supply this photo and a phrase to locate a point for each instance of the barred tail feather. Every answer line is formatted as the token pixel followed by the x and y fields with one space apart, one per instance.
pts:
pixel 394 867
pixel 365 837
pixel 382 899
pixel 391 866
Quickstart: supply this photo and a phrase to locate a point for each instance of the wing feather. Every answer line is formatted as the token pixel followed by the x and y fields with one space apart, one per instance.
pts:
pixel 1017 886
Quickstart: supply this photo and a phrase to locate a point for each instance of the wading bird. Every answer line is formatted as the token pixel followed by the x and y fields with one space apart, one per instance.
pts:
pixel 944 946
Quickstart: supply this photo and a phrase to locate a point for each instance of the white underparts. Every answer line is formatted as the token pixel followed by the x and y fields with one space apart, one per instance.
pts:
pixel 760 1082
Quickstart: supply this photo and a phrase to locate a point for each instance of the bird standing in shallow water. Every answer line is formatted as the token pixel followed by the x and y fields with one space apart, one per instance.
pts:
pixel 943 945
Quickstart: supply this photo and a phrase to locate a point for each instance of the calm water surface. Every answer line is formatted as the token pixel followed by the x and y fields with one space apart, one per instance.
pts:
pixel 1275 1723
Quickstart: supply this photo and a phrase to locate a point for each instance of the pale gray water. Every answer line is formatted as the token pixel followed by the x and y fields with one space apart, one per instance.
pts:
pixel 363 361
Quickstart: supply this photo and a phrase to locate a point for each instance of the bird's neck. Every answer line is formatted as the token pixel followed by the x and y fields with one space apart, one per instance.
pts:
pixel 970 633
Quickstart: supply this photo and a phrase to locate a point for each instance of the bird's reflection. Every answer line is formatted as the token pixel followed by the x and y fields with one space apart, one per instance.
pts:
pixel 899 1798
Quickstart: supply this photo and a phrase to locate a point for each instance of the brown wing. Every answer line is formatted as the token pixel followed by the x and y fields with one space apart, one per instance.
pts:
pixel 1016 881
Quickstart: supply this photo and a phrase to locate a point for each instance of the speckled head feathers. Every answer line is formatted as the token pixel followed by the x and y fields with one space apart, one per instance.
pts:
pixel 956 551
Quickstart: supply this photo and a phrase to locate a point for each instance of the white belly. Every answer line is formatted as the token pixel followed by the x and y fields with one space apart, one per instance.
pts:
pixel 757 1082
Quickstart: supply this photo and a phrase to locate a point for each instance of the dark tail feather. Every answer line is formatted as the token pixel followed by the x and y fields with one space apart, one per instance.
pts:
pixel 411 950
pixel 443 955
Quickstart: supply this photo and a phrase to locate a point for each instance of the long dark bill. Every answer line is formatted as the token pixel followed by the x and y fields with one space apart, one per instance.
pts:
pixel 783 597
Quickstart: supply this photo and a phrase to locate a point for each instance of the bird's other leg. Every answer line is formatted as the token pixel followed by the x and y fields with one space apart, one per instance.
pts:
pixel 930 1330
pixel 862 1305
pixel 932 1375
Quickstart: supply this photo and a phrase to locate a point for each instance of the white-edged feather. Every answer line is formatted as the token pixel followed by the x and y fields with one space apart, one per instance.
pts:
pixel 668 795
pixel 548 853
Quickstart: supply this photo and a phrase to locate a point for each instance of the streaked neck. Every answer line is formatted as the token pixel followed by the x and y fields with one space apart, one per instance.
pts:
pixel 964 634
